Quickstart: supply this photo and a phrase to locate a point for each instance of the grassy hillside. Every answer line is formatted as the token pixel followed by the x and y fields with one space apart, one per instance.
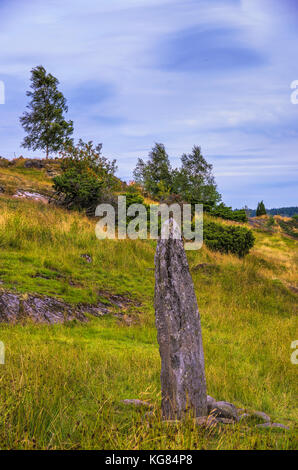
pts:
pixel 62 385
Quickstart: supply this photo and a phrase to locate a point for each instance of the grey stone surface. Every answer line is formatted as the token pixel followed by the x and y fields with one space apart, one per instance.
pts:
pixel 34 163
pixel 22 194
pixel 210 403
pixel 16 307
pixel 224 409
pixel 272 425
pixel 257 417
pixel 183 382
pixel 136 402
pixel 225 420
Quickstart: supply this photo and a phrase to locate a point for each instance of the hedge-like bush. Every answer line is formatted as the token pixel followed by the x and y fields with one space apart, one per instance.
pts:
pixel 228 239
pixel 227 213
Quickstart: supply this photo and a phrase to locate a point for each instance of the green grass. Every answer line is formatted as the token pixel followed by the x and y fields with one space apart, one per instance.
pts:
pixel 62 385
pixel 32 179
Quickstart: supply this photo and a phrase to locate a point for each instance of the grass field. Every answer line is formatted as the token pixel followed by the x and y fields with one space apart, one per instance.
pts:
pixel 61 386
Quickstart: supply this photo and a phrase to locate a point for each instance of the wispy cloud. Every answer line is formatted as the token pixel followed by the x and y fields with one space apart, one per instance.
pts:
pixel 182 72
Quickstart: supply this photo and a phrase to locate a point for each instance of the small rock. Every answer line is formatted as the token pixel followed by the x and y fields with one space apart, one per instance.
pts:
pixel 211 422
pixel 258 417
pixel 210 403
pixel 201 420
pixel 272 425
pixel 31 195
pixel 87 257
pixel 225 420
pixel 241 410
pixel 224 409
pixel 136 402
pixel 34 163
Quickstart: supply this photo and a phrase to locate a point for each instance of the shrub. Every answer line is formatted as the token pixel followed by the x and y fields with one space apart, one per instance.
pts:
pixel 78 190
pixel 228 239
pixel 290 227
pixel 134 198
pixel 271 222
pixel 87 177
pixel 227 213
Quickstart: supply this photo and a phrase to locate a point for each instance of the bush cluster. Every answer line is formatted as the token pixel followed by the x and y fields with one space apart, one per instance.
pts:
pixel 228 239
pixel 227 213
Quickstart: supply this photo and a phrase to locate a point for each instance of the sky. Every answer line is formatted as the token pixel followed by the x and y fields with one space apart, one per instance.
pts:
pixel 212 73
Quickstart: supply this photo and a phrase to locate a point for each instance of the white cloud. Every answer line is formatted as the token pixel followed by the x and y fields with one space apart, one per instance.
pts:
pixel 120 42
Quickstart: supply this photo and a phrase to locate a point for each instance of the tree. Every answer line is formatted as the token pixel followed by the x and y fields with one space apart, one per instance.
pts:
pixel 44 123
pixel 156 175
pixel 225 212
pixel 194 181
pixel 261 209
pixel 87 177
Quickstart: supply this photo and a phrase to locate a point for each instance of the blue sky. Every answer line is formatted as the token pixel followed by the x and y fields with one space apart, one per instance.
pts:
pixel 207 72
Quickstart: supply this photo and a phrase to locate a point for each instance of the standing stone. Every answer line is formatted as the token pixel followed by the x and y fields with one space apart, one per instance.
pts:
pixel 183 382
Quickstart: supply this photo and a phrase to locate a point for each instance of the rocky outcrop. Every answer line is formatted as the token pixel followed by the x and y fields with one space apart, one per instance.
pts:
pixel 183 383
pixel 35 163
pixel 210 403
pixel 224 409
pixel 31 195
pixel 272 425
pixel 42 309
pixel 256 417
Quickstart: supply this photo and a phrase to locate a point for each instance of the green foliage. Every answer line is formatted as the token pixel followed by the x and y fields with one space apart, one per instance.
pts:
pixel 247 326
pixel 227 213
pixel 193 182
pixel 285 211
pixel 228 239
pixel 44 123
pixel 271 222
pixel 261 209
pixel 290 226
pixel 155 175
pixel 134 198
pixel 87 177
pixel 79 189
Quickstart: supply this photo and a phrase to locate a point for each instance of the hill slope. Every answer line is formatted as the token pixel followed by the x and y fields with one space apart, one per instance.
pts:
pixel 62 385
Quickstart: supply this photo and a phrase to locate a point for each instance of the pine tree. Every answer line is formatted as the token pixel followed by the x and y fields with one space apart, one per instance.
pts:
pixel 44 123
pixel 261 209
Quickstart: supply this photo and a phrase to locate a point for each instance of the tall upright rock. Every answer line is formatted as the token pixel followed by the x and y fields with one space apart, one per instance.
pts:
pixel 183 382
